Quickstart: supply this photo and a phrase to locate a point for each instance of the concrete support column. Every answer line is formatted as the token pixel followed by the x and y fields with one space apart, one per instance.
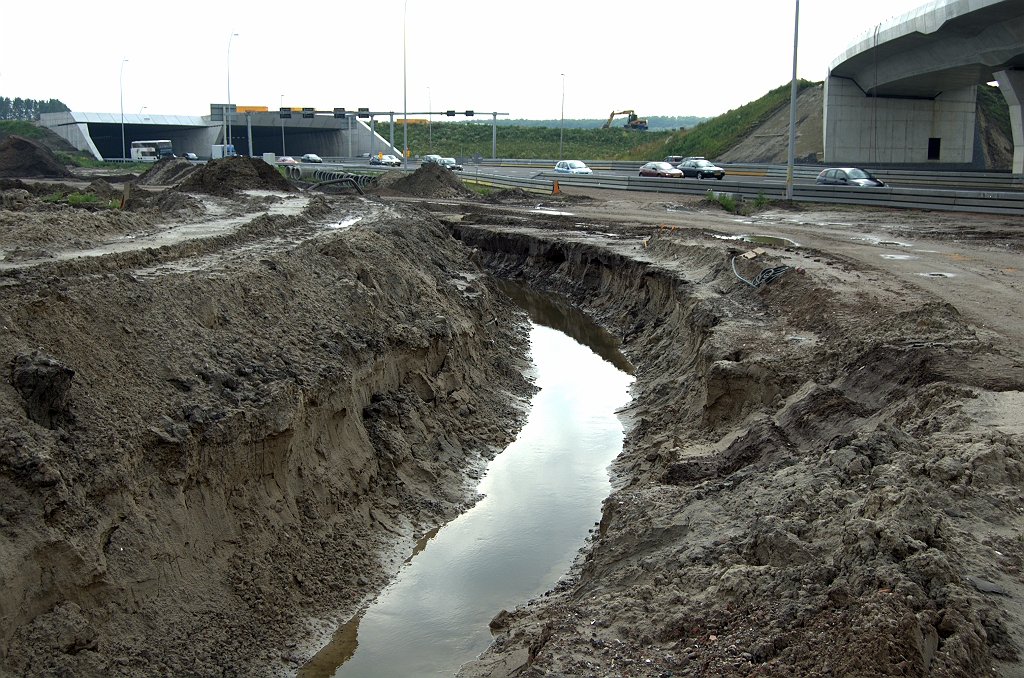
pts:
pixel 1011 84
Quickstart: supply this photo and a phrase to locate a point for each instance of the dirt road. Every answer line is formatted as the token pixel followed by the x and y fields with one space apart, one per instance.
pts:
pixel 230 413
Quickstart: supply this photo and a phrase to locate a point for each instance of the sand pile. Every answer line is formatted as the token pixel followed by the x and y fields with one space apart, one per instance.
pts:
pixel 224 176
pixel 23 157
pixel 167 172
pixel 429 181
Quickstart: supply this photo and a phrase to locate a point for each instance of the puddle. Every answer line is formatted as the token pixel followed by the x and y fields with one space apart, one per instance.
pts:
pixel 900 257
pixel 542 496
pixel 883 243
pixel 345 223
pixel 771 240
pixel 760 239
pixel 938 274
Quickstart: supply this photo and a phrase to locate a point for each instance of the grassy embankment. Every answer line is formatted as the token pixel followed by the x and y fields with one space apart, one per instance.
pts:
pixel 451 139
pixel 713 137
pixel 77 159
pixel 709 138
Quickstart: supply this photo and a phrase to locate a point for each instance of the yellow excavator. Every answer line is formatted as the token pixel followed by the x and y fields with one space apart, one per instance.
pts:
pixel 632 122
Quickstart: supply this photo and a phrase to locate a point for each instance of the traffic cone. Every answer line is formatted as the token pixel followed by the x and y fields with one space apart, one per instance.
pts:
pixel 554 188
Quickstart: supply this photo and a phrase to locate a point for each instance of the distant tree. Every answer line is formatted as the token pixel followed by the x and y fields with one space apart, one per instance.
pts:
pixel 28 109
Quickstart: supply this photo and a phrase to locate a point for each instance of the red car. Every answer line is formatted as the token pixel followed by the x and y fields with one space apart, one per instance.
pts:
pixel 660 169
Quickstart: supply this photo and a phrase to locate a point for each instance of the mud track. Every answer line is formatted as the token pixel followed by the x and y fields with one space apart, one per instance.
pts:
pixel 221 442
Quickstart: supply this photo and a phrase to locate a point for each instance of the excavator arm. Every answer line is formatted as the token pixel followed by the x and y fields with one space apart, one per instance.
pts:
pixel 614 113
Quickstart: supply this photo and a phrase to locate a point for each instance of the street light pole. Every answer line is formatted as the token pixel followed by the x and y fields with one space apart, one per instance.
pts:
pixel 123 61
pixel 792 109
pixel 405 98
pixel 226 113
pixel 561 131
pixel 430 122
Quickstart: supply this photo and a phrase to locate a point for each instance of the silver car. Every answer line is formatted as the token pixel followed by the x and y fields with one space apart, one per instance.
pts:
pixel 573 167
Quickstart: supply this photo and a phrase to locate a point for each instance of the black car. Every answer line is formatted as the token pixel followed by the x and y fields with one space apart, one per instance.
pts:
pixel 847 176
pixel 700 168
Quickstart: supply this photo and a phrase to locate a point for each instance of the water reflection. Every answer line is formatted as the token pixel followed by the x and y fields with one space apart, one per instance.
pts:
pixel 558 313
pixel 542 495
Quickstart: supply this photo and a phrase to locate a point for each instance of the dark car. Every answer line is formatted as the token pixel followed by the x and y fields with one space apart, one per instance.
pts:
pixel 700 168
pixel 847 176
pixel 660 169
pixel 674 159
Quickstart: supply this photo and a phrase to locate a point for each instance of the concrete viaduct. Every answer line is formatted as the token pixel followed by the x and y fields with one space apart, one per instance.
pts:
pixel 905 93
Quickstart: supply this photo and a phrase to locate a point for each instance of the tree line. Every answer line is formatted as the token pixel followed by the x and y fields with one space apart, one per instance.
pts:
pixel 28 109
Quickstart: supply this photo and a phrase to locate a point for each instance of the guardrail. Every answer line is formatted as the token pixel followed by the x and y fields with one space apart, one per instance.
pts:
pixel 986 202
pixel 803 173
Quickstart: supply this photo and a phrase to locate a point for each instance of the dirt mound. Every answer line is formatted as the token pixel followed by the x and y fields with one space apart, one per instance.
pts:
pixel 23 157
pixel 167 172
pixel 429 181
pixel 224 176
pixel 388 179
pixel 101 188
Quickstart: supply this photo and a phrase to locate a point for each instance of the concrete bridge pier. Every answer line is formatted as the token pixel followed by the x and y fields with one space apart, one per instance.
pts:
pixel 1011 84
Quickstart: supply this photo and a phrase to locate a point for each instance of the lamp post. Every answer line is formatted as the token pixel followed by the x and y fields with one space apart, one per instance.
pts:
pixel 283 151
pixel 123 62
pixel 226 119
pixel 792 109
pixel 430 122
pixel 405 98
pixel 142 108
pixel 561 130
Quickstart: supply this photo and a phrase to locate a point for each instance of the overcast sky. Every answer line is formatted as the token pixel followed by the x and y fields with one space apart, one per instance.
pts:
pixel 673 57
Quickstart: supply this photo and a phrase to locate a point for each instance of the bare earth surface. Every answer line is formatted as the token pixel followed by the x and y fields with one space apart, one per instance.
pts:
pixel 231 409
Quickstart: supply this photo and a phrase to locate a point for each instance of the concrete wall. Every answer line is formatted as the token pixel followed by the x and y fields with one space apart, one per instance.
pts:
pixel 896 131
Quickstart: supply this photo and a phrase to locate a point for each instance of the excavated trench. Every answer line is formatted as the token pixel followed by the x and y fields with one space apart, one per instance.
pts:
pixel 248 452
pixel 771 426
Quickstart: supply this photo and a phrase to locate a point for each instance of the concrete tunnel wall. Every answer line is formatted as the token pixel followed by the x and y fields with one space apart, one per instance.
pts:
pixel 861 130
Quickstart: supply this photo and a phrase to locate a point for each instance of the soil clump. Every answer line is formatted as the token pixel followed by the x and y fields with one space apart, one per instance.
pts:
pixel 429 181
pixel 224 176
pixel 24 157
pixel 167 172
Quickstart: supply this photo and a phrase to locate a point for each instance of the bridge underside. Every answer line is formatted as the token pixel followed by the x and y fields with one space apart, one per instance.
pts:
pixel 906 92
pixel 101 134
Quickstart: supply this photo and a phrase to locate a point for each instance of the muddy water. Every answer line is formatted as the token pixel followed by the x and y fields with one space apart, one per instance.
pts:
pixel 543 495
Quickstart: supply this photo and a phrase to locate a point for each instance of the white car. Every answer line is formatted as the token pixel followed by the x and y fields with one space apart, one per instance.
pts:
pixel 311 157
pixel 573 167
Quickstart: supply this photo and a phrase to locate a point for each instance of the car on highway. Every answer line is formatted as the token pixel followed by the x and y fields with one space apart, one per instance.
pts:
pixel 700 168
pixel 847 176
pixel 190 156
pixel 311 157
pixel 674 159
pixel 390 161
pixel 451 164
pixel 573 167
pixel 431 158
pixel 286 160
pixel 660 169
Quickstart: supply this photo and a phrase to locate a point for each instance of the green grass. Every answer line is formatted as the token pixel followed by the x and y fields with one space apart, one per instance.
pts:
pixel 452 139
pixel 709 138
pixel 81 198
pixel 713 137
pixel 22 127
pixel 992 102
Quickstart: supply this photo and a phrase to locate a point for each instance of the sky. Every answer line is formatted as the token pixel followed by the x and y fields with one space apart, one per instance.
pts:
pixel 675 57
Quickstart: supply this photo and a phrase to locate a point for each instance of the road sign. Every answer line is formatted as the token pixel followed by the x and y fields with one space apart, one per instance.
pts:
pixel 286 113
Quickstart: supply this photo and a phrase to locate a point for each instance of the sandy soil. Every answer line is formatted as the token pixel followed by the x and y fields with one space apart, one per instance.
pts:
pixel 230 413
